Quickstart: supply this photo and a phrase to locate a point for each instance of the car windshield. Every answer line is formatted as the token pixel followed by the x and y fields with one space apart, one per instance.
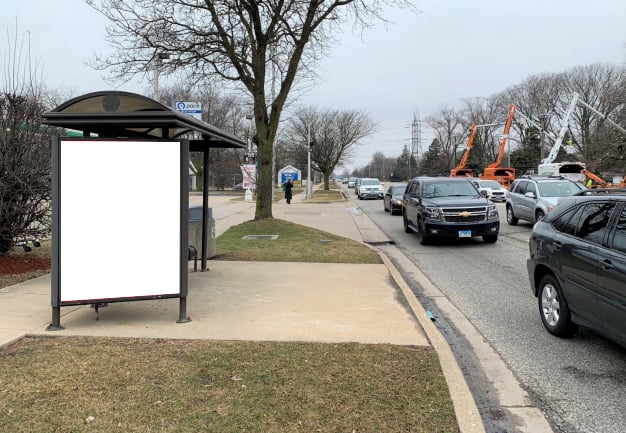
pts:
pixel 449 189
pixel 370 182
pixel 558 189
pixel 398 190
pixel 490 184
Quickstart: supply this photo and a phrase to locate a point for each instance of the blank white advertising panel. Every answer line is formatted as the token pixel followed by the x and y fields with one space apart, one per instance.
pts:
pixel 120 219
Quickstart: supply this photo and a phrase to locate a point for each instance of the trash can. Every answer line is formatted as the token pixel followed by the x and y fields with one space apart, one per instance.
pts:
pixel 195 231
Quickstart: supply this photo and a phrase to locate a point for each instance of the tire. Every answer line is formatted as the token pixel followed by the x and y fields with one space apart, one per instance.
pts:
pixel 385 208
pixel 553 308
pixel 510 217
pixel 407 229
pixel 539 215
pixel 423 238
pixel 490 239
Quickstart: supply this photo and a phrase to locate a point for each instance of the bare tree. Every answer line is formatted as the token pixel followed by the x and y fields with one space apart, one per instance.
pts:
pixel 260 46
pixel 449 132
pixel 333 135
pixel 25 169
pixel 604 88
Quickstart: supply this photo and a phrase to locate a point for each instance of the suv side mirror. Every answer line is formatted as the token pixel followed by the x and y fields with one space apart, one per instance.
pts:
pixel 530 194
pixel 483 193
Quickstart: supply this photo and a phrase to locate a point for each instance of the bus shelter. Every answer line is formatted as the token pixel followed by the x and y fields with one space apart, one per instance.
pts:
pixel 138 233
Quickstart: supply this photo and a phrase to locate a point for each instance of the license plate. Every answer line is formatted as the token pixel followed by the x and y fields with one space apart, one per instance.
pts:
pixel 465 233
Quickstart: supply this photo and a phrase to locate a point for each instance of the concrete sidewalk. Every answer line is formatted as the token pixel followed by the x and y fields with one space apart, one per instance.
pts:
pixel 265 300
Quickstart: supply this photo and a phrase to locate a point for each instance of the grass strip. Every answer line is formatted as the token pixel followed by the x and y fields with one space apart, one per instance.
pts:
pixel 88 384
pixel 295 243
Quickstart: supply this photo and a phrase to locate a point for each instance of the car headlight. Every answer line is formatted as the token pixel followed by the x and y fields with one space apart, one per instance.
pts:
pixel 432 213
pixel 397 202
pixel 492 212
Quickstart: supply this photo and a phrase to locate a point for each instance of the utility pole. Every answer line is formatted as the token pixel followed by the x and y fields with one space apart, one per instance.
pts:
pixel 309 192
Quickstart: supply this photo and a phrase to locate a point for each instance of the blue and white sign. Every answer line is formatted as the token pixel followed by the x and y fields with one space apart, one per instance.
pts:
pixel 194 109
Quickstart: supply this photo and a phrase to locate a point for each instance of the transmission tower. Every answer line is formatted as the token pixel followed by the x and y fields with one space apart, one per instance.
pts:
pixel 416 139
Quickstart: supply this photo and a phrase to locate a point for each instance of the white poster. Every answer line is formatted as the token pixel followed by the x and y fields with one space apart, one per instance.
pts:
pixel 120 219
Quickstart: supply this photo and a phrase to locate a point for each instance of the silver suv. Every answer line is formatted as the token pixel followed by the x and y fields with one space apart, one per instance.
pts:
pixel 370 188
pixel 530 198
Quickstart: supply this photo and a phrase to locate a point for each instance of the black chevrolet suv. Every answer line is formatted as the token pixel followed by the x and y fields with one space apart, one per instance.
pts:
pixel 449 207
pixel 577 264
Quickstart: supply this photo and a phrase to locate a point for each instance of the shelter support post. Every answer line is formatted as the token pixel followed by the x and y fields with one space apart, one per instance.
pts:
pixel 205 206
pixel 182 311
pixel 55 325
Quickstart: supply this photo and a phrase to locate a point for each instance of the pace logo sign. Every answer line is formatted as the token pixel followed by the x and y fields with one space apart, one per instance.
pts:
pixel 194 109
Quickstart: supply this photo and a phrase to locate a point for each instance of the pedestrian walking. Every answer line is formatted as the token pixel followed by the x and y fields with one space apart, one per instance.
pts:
pixel 288 187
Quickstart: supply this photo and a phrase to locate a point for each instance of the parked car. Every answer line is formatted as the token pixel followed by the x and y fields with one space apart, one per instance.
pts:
pixel 530 198
pixel 448 207
pixel 491 188
pixel 351 182
pixel 238 187
pixel 577 264
pixel 392 202
pixel 370 188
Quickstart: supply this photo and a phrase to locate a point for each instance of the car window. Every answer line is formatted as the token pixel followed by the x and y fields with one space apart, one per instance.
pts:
pixel 521 188
pixel 397 190
pixel 531 187
pixel 489 184
pixel 370 182
pixel 568 221
pixel 449 189
pixel 593 221
pixel 557 189
pixel 619 239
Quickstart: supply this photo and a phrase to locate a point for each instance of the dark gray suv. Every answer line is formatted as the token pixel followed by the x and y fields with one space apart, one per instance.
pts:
pixel 577 264
pixel 449 207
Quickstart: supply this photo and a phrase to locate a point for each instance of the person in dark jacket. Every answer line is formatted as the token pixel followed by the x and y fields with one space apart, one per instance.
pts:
pixel 288 187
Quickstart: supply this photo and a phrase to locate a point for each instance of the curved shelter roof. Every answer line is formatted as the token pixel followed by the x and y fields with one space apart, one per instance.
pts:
pixel 116 114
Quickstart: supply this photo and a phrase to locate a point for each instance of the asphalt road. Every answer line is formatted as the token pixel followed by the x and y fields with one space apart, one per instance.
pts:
pixel 578 383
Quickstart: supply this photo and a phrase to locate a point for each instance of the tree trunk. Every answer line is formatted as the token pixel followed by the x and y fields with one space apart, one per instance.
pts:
pixel 264 184
pixel 263 193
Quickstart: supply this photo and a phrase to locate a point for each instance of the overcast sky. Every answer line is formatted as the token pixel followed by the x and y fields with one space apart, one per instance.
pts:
pixel 450 50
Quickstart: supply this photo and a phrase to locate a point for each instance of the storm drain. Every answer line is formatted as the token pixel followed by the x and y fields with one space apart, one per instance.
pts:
pixel 260 237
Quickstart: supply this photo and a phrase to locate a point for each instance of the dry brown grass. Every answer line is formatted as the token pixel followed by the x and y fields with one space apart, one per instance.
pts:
pixel 137 385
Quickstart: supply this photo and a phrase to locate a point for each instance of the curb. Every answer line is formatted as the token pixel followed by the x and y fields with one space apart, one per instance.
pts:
pixel 467 414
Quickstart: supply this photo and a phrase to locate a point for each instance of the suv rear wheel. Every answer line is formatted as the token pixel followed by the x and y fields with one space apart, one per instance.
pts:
pixel 510 217
pixel 553 308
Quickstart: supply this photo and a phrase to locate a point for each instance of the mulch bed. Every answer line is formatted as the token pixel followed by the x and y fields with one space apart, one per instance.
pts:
pixel 22 263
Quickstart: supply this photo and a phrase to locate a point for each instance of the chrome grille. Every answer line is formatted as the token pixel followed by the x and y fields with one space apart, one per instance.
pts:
pixel 461 215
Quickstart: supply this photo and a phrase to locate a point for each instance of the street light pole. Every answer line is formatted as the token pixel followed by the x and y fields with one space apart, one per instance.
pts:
pixel 308 147
pixel 157 72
